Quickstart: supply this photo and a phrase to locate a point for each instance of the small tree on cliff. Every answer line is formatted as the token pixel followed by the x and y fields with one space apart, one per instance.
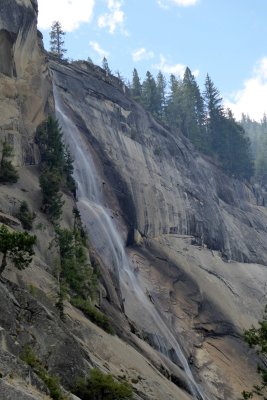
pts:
pixel 7 172
pixel 17 246
pixel 257 338
pixel 56 40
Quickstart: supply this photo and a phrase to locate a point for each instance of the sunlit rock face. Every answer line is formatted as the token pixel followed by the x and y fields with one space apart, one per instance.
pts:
pixel 24 78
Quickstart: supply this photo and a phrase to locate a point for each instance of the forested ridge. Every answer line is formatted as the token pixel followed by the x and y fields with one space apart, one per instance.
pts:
pixel 257 133
pixel 200 117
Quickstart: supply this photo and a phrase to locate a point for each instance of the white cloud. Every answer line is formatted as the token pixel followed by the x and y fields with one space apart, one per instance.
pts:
pixel 164 66
pixel 175 69
pixel 185 3
pixel 101 52
pixel 252 98
pixel 114 18
pixel 163 4
pixel 70 13
pixel 142 54
pixel 181 3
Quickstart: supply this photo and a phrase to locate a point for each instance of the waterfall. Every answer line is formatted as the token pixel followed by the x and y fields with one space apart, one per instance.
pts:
pixel 108 243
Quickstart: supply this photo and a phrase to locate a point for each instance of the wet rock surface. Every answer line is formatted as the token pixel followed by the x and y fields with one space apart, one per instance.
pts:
pixel 196 239
pixel 200 251
pixel 163 185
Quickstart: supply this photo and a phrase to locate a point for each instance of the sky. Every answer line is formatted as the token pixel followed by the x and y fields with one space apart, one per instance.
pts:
pixel 225 38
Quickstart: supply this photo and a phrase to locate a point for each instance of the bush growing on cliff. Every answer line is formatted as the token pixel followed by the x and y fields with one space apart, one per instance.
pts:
pixel 100 386
pixel 93 314
pixel 25 216
pixel 76 275
pixel 51 381
pixel 8 173
pixel 76 271
pixel 257 338
pixel 16 246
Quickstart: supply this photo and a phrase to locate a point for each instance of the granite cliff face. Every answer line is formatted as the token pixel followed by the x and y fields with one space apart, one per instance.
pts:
pixel 24 83
pixel 195 239
pixel 163 185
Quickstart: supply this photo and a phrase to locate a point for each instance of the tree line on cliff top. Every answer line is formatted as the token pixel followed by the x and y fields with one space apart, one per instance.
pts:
pixel 182 107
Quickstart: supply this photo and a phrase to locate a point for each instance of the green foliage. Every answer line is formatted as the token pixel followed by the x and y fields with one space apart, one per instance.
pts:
pixel 25 216
pixel 57 168
pixel 257 338
pixel 76 271
pixel 161 95
pixel 56 40
pixel 136 87
pixel 50 183
pixel 93 314
pixel 60 301
pixel 8 173
pixel 257 133
pixel 17 246
pixel 76 275
pixel 100 386
pixel 150 98
pixel 52 382
pixel 201 118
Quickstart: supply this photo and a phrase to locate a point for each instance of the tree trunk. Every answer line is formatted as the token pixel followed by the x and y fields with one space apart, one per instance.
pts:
pixel 4 263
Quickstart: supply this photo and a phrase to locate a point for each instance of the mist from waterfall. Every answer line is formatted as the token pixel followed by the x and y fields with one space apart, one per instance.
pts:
pixel 107 241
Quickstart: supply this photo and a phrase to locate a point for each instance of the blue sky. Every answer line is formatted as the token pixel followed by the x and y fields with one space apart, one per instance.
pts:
pixel 225 38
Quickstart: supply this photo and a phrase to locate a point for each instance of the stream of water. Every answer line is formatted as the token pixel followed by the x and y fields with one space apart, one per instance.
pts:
pixel 107 241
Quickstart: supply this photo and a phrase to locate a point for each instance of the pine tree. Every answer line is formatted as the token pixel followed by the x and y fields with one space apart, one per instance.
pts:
pixel 136 87
pixel 161 93
pixel 193 111
pixel 17 246
pixel 57 168
pixel 105 66
pixel 7 171
pixel 257 338
pixel 174 103
pixel 214 115
pixel 56 40
pixel 236 158
pixel 149 94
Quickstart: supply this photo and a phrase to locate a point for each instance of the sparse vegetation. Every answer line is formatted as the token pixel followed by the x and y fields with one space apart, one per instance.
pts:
pixel 16 246
pixel 51 381
pixel 25 216
pixel 93 314
pixel 76 275
pixel 100 386
pixel 257 338
pixel 50 183
pixel 8 173
pixel 57 168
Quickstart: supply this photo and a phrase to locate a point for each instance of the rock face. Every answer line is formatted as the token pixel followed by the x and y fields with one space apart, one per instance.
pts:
pixel 163 185
pixel 25 85
pixel 202 231
pixel 196 239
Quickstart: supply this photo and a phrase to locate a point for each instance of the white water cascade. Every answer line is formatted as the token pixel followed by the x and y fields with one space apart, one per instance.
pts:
pixel 108 243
